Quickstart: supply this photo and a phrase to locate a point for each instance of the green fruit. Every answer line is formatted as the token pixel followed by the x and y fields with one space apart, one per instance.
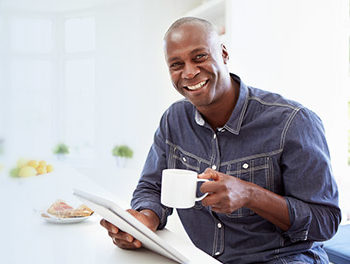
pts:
pixel 14 172
pixel 27 171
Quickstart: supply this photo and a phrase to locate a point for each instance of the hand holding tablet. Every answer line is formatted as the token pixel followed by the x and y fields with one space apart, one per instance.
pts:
pixel 125 240
pixel 130 225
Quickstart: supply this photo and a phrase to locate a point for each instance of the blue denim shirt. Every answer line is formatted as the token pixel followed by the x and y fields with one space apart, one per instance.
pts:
pixel 273 142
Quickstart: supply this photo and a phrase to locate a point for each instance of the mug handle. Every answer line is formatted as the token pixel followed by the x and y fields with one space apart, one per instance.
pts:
pixel 197 199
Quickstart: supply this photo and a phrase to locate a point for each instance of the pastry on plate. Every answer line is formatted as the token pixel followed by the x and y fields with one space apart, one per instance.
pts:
pixel 63 210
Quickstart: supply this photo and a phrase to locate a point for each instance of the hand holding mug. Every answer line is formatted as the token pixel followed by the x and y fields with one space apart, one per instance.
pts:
pixel 227 193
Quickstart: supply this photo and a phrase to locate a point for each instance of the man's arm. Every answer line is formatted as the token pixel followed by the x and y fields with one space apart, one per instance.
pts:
pixel 147 192
pixel 228 193
pixel 310 189
pixel 308 209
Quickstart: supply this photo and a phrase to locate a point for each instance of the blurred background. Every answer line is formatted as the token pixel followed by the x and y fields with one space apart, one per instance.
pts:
pixel 90 74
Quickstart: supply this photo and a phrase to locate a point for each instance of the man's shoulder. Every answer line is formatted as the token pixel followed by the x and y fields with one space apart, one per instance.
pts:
pixel 284 107
pixel 272 99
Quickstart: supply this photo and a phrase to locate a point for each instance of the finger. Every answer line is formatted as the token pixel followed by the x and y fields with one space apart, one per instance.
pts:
pixel 122 236
pixel 103 222
pixel 209 174
pixel 211 200
pixel 126 244
pixel 211 187
pixel 139 216
pixel 132 212
pixel 123 244
pixel 137 243
pixel 110 227
pixel 205 174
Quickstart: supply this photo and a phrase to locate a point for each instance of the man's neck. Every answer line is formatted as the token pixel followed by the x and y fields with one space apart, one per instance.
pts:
pixel 219 113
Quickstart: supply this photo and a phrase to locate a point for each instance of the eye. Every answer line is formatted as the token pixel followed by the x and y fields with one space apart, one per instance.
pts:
pixel 175 65
pixel 201 57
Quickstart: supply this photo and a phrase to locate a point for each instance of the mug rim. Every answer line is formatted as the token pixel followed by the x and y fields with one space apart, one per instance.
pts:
pixel 182 171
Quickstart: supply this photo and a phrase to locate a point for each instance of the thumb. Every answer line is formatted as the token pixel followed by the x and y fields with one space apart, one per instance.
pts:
pixel 209 174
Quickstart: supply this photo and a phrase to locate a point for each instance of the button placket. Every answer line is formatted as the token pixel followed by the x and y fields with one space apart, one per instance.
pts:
pixel 215 145
pixel 219 239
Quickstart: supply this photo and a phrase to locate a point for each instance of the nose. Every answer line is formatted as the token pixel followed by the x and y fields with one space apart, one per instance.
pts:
pixel 189 71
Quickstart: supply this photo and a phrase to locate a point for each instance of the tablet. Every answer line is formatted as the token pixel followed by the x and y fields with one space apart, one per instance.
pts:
pixel 129 224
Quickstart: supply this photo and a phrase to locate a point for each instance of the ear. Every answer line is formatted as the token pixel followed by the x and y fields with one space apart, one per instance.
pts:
pixel 224 52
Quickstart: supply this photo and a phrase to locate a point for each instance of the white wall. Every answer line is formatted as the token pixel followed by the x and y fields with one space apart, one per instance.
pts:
pixel 2 79
pixel 299 49
pixel 131 78
pixel 132 83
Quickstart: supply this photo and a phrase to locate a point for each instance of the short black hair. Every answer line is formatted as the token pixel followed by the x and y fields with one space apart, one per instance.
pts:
pixel 185 20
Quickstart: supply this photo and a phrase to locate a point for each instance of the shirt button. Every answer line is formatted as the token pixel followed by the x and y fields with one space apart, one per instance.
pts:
pixel 217 253
pixel 213 167
pixel 219 225
pixel 245 166
pixel 184 159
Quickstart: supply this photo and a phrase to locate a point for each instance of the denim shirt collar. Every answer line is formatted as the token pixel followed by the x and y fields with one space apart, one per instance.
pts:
pixel 234 123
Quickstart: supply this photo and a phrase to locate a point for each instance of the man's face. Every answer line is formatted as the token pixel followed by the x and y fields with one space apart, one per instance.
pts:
pixel 197 63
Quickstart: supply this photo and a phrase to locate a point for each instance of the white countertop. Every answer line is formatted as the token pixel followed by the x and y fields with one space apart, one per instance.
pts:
pixel 27 238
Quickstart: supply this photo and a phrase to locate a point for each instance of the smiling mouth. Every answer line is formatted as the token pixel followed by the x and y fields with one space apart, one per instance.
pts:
pixel 197 86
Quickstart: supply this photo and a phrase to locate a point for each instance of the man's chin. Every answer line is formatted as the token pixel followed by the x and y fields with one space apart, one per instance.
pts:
pixel 199 103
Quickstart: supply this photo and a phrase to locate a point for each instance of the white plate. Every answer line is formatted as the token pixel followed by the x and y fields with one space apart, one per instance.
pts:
pixel 68 220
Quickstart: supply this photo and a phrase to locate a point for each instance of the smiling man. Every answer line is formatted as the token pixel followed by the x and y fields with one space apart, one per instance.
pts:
pixel 272 196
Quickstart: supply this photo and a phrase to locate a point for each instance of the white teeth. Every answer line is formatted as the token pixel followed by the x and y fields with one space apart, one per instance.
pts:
pixel 197 86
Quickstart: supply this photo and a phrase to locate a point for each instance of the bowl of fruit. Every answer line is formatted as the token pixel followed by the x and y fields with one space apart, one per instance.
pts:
pixel 27 168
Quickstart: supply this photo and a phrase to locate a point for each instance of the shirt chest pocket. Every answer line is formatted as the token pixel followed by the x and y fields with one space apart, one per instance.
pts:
pixel 254 170
pixel 180 159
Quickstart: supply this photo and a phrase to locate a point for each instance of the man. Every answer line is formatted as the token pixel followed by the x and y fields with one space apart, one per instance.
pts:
pixel 272 196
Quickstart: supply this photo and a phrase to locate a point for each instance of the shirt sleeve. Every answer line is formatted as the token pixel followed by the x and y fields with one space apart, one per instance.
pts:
pixel 311 192
pixel 147 192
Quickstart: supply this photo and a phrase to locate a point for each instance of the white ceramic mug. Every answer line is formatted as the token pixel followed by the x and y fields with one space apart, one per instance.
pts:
pixel 179 188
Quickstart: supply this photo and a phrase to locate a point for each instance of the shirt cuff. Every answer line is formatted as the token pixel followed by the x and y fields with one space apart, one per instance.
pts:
pixel 300 220
pixel 161 212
